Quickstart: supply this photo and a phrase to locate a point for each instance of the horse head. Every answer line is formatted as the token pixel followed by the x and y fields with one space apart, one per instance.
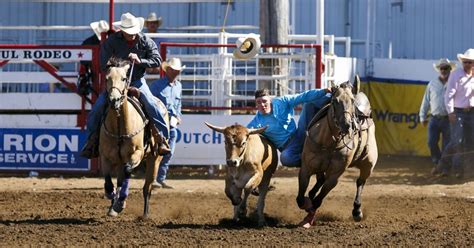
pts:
pixel 117 82
pixel 342 102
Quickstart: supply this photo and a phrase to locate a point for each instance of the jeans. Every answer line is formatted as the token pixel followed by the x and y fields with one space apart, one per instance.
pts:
pixel 461 145
pixel 291 153
pixel 165 162
pixel 146 98
pixel 438 126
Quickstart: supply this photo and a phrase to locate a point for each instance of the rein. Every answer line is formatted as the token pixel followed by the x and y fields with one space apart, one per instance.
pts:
pixel 341 137
pixel 119 136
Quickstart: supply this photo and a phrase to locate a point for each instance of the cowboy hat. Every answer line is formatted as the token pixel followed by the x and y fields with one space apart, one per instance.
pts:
pixel 153 18
pixel 173 63
pixel 442 62
pixel 468 55
pixel 99 27
pixel 130 24
pixel 247 47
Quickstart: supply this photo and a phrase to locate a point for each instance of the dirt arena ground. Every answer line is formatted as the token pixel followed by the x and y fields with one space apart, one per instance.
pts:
pixel 402 203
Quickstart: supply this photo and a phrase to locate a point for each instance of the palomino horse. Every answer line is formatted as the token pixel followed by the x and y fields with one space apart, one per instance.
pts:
pixel 344 138
pixel 121 145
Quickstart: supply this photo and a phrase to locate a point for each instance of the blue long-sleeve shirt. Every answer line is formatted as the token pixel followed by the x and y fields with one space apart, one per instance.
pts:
pixel 280 122
pixel 169 94
pixel 143 46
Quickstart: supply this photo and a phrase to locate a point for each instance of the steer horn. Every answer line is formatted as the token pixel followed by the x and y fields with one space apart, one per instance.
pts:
pixel 215 128
pixel 257 130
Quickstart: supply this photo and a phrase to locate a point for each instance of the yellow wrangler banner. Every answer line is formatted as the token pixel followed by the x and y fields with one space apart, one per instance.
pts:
pixel 395 110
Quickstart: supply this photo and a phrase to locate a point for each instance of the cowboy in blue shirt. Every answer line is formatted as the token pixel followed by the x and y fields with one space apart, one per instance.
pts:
pixel 277 113
pixel 168 90
pixel 131 44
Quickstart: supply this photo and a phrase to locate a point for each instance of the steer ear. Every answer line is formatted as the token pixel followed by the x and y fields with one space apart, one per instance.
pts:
pixel 215 128
pixel 257 131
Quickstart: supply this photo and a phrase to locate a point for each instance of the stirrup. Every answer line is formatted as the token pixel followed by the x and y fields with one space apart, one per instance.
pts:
pixel 162 149
pixel 90 151
pixel 91 148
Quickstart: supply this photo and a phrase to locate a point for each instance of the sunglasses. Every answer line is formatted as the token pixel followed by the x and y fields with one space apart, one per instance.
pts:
pixel 445 68
pixel 468 62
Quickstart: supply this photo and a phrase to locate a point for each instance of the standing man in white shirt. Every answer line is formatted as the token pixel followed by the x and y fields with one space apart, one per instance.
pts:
pixel 433 102
pixel 459 100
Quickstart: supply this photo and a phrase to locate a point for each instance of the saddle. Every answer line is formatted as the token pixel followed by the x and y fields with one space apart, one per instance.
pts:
pixel 362 104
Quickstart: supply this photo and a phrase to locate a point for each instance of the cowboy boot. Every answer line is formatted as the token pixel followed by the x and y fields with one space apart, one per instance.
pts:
pixel 161 144
pixel 91 148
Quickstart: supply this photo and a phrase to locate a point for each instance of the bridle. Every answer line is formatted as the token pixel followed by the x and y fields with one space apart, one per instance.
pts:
pixel 122 99
pixel 123 91
pixel 340 136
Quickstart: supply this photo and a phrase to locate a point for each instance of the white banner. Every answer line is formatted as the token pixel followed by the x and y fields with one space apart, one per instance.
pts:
pixel 52 55
pixel 197 144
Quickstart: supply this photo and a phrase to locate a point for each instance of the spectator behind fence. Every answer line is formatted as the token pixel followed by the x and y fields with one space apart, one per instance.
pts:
pixel 152 23
pixel 168 90
pixel 278 114
pixel 433 102
pixel 84 85
pixel 459 100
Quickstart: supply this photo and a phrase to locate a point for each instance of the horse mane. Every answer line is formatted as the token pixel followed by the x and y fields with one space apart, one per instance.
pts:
pixel 346 84
pixel 117 62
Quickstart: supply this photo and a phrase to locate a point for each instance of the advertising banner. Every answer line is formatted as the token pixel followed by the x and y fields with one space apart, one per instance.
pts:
pixel 42 149
pixel 52 55
pixel 197 144
pixel 395 110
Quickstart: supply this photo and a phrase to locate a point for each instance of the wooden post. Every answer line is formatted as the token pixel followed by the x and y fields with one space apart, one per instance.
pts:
pixel 274 28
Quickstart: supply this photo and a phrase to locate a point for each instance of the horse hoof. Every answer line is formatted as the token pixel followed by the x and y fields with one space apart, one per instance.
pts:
pixel 262 223
pixel 358 218
pixel 119 206
pixel 307 225
pixel 111 212
pixel 308 221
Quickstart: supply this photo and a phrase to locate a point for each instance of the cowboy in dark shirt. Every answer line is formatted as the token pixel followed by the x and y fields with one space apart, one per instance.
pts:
pixel 129 43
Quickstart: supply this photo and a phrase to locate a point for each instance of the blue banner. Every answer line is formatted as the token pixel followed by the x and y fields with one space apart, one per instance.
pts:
pixel 42 149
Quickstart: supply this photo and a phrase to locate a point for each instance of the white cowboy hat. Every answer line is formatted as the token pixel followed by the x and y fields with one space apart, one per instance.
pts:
pixel 130 24
pixel 99 27
pixel 247 47
pixel 174 63
pixel 152 17
pixel 442 62
pixel 468 55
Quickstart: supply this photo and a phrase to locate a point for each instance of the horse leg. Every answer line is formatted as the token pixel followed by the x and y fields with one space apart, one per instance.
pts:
pixel 123 183
pixel 303 181
pixel 109 187
pixel 319 182
pixel 151 170
pixel 365 172
pixel 356 212
pixel 328 185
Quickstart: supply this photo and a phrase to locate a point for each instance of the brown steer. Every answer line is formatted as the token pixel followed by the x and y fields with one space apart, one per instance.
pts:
pixel 251 161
